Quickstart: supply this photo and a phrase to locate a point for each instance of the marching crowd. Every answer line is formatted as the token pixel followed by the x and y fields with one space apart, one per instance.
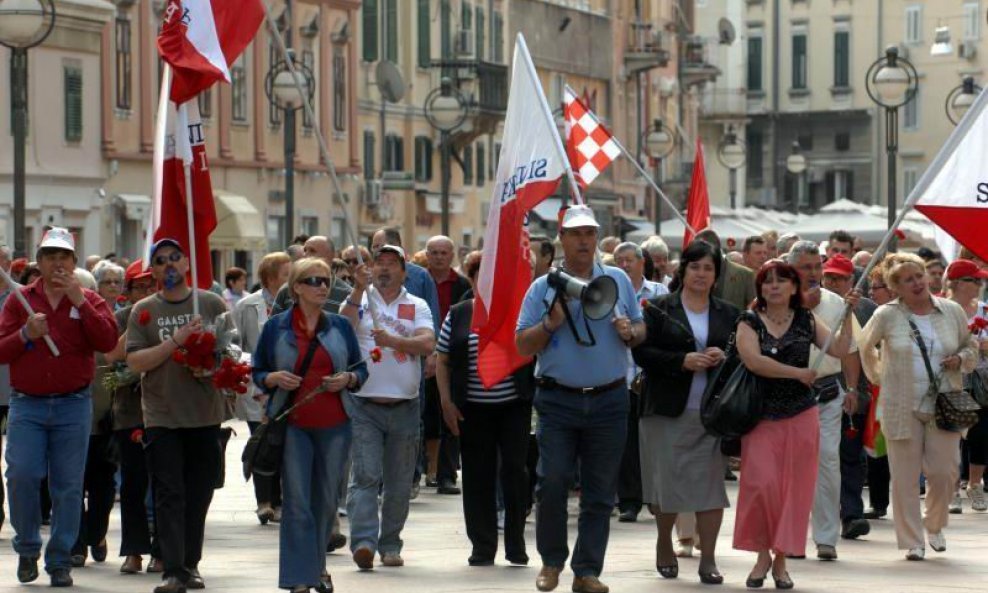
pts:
pixel 364 379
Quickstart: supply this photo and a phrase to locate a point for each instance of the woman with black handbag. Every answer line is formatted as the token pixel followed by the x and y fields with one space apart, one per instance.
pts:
pixel 305 360
pixel 779 455
pixel 925 345
pixel 682 465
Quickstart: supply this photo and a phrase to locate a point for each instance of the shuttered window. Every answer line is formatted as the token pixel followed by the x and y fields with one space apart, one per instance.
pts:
pixel 73 103
pixel 423 34
pixel 369 26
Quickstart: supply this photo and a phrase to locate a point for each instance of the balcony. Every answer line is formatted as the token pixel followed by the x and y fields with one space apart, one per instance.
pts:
pixel 697 67
pixel 646 49
pixel 723 103
pixel 485 86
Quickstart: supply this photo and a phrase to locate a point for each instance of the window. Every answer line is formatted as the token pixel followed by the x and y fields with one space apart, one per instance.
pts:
pixel 972 21
pixel 805 142
pixel 369 141
pixel 914 24
pixel 423 34
pixel 276 233
pixel 238 87
pixel 840 183
pixel 206 103
pixel 753 139
pixel 72 76
pixel 308 60
pixel 498 41
pixel 310 225
pixel 481 164
pixel 339 90
pixel 910 113
pixel 479 33
pixel 842 59
pixel 274 56
pixel 468 164
pixel 394 153
pixel 799 63
pixel 909 178
pixel 369 30
pixel 842 141
pixel 755 63
pixel 496 160
pixel 122 33
pixel 423 158
pixel 390 33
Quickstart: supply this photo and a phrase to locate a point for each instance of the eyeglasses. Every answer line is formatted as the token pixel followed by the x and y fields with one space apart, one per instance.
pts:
pixel 351 261
pixel 118 282
pixel 173 257
pixel 314 281
pixel 879 287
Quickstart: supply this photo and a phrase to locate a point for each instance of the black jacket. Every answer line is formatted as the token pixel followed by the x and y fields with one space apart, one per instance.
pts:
pixel 668 340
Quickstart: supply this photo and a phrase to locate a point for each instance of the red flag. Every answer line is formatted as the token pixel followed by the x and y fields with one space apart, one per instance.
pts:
pixel 202 38
pixel 590 146
pixel 698 201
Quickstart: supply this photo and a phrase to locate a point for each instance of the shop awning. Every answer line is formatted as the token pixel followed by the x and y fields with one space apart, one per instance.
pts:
pixel 134 206
pixel 239 225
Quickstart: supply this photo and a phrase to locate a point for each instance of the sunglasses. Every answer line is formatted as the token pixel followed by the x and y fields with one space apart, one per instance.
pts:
pixel 314 281
pixel 161 260
pixel 879 287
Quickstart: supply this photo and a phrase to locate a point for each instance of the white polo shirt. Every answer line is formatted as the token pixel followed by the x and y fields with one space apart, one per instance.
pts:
pixel 829 311
pixel 397 375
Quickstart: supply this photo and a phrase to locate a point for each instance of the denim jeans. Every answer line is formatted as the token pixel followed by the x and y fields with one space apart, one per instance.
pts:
pixel 385 448
pixel 312 464
pixel 47 436
pixel 589 432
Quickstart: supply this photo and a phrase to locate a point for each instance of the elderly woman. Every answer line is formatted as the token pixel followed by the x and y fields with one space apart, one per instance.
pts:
pixel 305 360
pixel 682 466
pixel 250 314
pixel 965 280
pixel 914 446
pixel 779 456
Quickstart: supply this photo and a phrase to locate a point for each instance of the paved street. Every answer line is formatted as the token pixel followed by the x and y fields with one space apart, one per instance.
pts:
pixel 242 556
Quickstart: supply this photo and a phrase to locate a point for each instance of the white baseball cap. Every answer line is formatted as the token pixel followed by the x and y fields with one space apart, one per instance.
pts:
pixel 58 238
pixel 579 215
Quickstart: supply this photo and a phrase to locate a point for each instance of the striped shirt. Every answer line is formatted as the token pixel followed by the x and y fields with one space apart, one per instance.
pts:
pixel 500 393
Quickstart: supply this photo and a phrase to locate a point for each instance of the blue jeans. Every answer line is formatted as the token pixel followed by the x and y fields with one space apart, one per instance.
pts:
pixel 47 436
pixel 585 431
pixel 385 447
pixel 311 468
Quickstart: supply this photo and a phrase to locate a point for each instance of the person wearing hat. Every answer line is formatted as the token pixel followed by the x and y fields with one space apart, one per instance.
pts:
pixel 50 408
pixel 386 410
pixel 5 288
pixel 581 397
pixel 181 412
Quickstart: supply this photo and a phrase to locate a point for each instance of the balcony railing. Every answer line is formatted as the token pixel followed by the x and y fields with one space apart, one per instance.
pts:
pixel 646 48
pixel 492 80
pixel 723 102
pixel 698 64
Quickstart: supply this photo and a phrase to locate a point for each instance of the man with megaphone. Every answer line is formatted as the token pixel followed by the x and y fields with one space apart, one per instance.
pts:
pixel 579 320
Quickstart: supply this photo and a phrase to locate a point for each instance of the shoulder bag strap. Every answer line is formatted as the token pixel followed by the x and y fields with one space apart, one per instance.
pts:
pixel 922 350
pixel 307 359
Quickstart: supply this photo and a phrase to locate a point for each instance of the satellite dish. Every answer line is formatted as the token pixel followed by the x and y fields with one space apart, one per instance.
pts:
pixel 389 81
pixel 726 32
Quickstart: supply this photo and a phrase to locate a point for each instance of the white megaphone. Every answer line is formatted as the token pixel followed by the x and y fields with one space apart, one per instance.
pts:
pixel 597 297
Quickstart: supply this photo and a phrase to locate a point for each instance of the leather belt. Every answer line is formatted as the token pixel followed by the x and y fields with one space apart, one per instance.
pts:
pixel 550 383
pixel 388 403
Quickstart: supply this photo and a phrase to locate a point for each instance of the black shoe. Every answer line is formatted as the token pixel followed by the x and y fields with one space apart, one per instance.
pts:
pixel 447 487
pixel 475 560
pixel 796 556
pixel 79 559
pixel 27 569
pixel 783 582
pixel 170 585
pixel 336 541
pixel 60 577
pixel 668 572
pixel 431 483
pixel 99 552
pixel 628 516
pixel 875 513
pixel 729 476
pixel 195 580
pixel 711 578
pixel 325 584
pixel 521 560
pixel 855 528
pixel 753 583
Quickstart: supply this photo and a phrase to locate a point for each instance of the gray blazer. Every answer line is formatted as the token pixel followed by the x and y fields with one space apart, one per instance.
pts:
pixel 250 315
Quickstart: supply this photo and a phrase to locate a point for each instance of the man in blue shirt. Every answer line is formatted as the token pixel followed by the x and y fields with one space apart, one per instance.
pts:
pixel 582 402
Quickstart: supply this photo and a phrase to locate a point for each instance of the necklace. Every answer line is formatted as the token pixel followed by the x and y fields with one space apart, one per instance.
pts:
pixel 780 322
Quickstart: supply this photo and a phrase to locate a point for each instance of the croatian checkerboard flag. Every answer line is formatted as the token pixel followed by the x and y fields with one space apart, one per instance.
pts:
pixel 202 38
pixel 590 146
pixel 531 165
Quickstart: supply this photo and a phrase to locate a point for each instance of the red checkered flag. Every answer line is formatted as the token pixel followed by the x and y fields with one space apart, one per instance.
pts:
pixel 590 146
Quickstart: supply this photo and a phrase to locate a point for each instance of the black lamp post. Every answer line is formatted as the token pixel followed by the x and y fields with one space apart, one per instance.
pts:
pixel 23 25
pixel 796 164
pixel 960 99
pixel 891 82
pixel 445 109
pixel 658 143
pixel 732 154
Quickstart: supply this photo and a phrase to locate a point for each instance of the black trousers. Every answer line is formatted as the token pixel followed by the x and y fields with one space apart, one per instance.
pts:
pixel 3 493
pixel 99 490
pixel 853 468
pixel 183 463
pixel 489 432
pixel 267 489
pixel 630 476
pixel 435 428
pixel 136 538
pixel 879 479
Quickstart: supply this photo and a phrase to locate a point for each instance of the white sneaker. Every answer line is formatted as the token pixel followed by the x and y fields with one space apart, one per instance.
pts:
pixel 685 549
pixel 955 507
pixel 916 554
pixel 977 496
pixel 938 541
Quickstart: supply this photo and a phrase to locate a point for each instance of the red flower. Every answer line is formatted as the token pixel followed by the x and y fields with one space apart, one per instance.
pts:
pixel 179 356
pixel 851 432
pixel 644 303
pixel 731 243
pixel 144 317
pixel 900 235
pixel 978 325
pixel 376 355
pixel 137 435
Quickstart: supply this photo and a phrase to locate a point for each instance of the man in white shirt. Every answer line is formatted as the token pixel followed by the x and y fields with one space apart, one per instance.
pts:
pixel 385 412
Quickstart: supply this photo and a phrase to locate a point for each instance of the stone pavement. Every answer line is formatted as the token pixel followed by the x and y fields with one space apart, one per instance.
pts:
pixel 242 556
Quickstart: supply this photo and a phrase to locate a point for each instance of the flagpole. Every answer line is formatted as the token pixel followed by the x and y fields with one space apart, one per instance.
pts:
pixel 157 163
pixel 652 184
pixel 949 147
pixel 15 287
pixel 183 148
pixel 547 113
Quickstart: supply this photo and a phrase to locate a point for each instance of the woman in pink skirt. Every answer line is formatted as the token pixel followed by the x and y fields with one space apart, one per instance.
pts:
pixel 779 457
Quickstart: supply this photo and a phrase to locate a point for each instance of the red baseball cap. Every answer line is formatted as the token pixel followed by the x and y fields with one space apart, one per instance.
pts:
pixel 965 268
pixel 136 271
pixel 839 265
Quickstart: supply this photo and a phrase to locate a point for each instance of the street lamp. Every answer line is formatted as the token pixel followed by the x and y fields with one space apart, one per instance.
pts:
pixel 796 164
pixel 23 25
pixel 284 92
pixel 445 109
pixel 659 142
pixel 732 154
pixel 891 82
pixel 960 99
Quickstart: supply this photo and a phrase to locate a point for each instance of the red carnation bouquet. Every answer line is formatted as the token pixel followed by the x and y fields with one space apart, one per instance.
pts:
pixel 977 326
pixel 211 355
pixel 198 353
pixel 232 377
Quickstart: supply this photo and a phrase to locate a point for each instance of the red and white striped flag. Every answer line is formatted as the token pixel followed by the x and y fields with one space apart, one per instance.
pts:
pixel 590 145
pixel 202 38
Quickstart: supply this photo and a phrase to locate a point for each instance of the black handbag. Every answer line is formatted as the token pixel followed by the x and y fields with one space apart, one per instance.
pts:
pixel 263 452
pixel 732 403
pixel 954 410
pixel 977 384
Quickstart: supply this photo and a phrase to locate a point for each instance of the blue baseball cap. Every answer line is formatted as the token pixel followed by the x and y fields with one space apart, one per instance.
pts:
pixel 165 242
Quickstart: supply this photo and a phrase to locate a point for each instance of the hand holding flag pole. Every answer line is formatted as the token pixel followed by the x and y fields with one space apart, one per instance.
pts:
pixel 15 287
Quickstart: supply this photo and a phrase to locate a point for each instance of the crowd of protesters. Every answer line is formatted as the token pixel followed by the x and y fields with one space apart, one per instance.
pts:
pixel 371 359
